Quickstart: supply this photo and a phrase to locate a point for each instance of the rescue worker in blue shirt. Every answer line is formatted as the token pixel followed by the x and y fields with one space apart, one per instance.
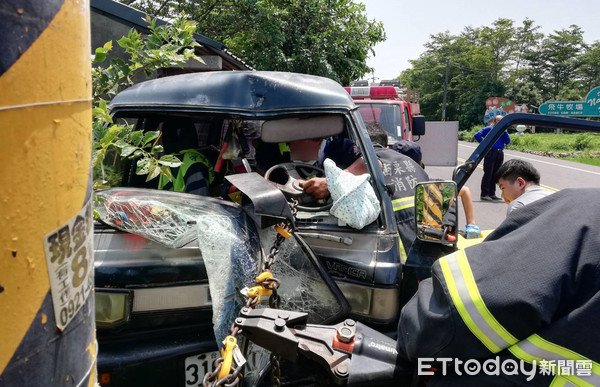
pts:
pixel 529 292
pixel 492 161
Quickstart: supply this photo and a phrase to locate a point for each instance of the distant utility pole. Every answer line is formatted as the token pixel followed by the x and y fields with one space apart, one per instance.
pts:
pixel 372 78
pixel 445 90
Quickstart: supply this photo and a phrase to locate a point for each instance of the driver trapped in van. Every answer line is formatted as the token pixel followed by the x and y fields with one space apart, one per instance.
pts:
pixel 342 151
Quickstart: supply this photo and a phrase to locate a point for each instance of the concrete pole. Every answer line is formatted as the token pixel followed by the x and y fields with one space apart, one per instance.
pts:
pixel 47 330
pixel 445 90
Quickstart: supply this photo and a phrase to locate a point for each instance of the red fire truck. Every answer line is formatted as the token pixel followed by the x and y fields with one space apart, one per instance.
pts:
pixel 396 109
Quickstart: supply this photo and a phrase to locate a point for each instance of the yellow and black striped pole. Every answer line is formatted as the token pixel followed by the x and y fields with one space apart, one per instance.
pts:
pixel 47 335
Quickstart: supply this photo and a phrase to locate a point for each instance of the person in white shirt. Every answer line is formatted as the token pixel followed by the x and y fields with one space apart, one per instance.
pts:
pixel 519 182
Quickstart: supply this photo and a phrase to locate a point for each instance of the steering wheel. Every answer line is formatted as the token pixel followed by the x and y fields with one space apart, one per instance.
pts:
pixel 287 178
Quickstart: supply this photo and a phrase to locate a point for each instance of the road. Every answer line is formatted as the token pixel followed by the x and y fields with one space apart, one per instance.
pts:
pixel 555 175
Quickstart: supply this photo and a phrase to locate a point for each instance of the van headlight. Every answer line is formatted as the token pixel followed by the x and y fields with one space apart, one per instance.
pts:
pixel 376 303
pixel 112 307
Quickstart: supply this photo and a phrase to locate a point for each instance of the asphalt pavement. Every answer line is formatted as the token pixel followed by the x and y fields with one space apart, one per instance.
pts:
pixel 555 175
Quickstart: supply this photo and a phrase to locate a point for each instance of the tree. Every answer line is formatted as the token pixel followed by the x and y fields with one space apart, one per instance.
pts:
pixel 524 75
pixel 560 53
pixel 502 60
pixel 477 59
pixel 590 66
pixel 331 38
pixel 165 46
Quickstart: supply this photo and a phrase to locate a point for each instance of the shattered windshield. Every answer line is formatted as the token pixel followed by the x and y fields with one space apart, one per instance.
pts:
pixel 230 246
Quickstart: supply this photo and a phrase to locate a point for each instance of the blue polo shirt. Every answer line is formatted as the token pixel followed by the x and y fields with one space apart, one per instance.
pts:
pixel 503 140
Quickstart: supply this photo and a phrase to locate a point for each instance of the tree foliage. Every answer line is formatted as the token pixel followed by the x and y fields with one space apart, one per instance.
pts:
pixel 504 59
pixel 331 38
pixel 165 46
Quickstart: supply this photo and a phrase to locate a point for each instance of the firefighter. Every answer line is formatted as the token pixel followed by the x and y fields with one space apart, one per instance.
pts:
pixel 196 173
pixel 529 292
pixel 401 174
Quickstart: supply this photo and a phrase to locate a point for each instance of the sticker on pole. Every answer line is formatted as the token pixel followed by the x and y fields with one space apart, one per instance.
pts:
pixel 69 252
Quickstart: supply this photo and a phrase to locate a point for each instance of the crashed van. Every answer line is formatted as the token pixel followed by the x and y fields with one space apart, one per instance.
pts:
pixel 154 302
pixel 176 259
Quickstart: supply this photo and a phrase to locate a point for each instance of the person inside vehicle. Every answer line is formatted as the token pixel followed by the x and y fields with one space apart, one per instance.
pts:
pixel 519 182
pixel 528 293
pixel 342 151
pixel 413 150
pixel 196 172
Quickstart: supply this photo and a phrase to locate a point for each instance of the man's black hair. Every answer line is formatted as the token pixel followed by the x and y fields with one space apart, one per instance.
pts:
pixel 377 133
pixel 514 168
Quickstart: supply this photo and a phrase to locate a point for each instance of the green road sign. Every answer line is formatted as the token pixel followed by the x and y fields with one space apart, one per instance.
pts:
pixel 588 108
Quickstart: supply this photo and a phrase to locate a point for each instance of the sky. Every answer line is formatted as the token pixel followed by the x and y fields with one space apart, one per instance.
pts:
pixel 409 24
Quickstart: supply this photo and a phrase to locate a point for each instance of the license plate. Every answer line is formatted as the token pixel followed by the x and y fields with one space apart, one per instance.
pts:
pixel 197 366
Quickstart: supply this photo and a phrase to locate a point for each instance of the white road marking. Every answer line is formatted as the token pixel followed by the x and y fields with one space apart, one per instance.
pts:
pixel 545 162
pixel 461 160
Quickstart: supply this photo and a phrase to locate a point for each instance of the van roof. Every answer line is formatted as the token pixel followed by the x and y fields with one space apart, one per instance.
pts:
pixel 245 91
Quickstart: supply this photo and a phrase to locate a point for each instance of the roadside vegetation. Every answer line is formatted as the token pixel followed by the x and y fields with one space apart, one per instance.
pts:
pixel 320 37
pixel 580 147
pixel 506 59
pixel 167 45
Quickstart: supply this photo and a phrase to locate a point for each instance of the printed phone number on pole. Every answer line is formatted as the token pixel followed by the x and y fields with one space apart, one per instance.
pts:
pixel 69 252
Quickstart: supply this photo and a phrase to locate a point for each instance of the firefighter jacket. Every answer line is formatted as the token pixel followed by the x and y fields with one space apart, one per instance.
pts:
pixel 530 292
pixel 194 175
pixel 401 174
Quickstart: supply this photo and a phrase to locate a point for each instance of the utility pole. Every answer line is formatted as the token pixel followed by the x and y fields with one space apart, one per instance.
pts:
pixel 445 91
pixel 372 78
pixel 47 309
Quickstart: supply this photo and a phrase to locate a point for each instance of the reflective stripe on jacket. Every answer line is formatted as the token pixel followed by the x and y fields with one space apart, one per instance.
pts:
pixel 181 180
pixel 402 173
pixel 530 291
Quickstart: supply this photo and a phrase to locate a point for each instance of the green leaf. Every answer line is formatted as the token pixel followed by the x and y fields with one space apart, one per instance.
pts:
pixel 99 131
pixel 166 171
pixel 169 160
pixel 120 144
pixel 127 150
pixel 136 137
pixel 99 55
pixel 153 171
pixel 149 136
pixel 165 46
pixel 143 166
pixel 98 157
pixel 124 42
pixel 110 135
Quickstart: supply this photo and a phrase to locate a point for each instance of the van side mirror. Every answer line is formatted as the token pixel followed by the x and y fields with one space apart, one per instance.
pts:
pixel 435 211
pixel 418 125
